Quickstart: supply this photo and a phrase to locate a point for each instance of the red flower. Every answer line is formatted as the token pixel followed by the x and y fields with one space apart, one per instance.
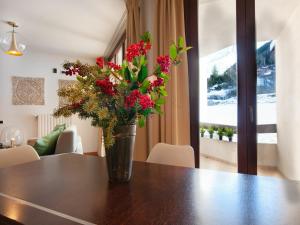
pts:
pixel 132 51
pixel 146 102
pixel 164 62
pixel 148 46
pixel 137 49
pixel 158 82
pixel 114 66
pixel 142 48
pixel 136 96
pixel 100 62
pixel 106 86
pixel 131 99
pixel 76 105
pixel 71 71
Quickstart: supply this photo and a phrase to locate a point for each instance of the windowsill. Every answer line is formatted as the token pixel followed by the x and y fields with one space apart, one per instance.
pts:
pixel 265 138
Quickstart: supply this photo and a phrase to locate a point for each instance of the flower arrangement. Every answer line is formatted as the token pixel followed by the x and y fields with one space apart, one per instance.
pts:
pixel 116 95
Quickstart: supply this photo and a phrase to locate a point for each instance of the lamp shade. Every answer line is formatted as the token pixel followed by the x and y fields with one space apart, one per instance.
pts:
pixel 10 43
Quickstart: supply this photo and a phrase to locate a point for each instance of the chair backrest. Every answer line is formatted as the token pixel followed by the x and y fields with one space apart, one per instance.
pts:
pixel 176 155
pixel 17 155
pixel 67 141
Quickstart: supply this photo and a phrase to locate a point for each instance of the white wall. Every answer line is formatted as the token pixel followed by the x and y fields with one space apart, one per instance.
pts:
pixel 267 154
pixel 288 97
pixel 34 64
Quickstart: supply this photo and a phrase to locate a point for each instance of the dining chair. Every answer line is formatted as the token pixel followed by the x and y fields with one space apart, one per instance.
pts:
pixel 176 155
pixel 17 155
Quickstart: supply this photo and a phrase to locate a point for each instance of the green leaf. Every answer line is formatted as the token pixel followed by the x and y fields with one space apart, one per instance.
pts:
pixel 134 86
pixel 142 60
pixel 128 75
pixel 158 109
pixel 79 78
pixel 142 74
pixel 135 62
pixel 145 86
pixel 163 91
pixel 146 37
pixel 164 76
pixel 180 42
pixel 141 121
pixel 157 70
pixel 123 84
pixel 124 64
pixel 160 101
pixel 153 95
pixel 146 112
pixel 184 50
pixel 173 52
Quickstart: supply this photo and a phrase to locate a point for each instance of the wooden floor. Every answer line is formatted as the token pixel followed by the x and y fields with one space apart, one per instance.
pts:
pixel 212 164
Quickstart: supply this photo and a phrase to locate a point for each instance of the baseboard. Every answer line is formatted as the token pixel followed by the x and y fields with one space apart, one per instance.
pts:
pixel 91 153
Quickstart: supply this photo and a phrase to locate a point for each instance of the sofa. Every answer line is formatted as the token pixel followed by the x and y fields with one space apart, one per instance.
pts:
pixel 68 142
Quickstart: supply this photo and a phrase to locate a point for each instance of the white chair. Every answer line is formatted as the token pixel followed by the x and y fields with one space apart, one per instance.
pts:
pixel 176 155
pixel 17 155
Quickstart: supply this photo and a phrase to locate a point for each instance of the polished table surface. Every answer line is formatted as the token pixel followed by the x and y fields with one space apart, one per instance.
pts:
pixel 74 189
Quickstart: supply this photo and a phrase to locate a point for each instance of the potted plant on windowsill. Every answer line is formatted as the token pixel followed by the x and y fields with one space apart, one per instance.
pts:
pixel 221 133
pixel 211 131
pixel 202 131
pixel 116 97
pixel 229 133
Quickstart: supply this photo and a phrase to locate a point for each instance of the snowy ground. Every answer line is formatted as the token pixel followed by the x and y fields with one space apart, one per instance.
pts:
pixel 227 114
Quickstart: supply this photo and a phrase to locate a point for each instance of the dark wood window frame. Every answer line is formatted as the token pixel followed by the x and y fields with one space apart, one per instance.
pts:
pixel 246 52
pixel 191 34
pixel 120 44
pixel 246 55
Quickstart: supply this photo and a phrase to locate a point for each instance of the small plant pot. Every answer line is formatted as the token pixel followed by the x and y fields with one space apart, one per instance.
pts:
pixel 211 136
pixel 220 138
pixel 230 139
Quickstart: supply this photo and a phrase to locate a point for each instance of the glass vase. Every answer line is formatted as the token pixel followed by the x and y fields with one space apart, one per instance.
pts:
pixel 120 155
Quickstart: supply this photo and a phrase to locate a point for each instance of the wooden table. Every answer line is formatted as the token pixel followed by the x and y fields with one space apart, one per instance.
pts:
pixel 73 189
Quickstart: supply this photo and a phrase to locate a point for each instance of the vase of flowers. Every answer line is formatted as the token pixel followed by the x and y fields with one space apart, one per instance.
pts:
pixel 117 97
pixel 119 156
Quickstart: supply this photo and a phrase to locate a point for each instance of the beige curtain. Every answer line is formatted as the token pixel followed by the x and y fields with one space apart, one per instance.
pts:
pixel 165 20
pixel 173 126
pixel 134 21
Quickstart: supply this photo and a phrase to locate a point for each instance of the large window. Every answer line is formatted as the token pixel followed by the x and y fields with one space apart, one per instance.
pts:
pixel 218 92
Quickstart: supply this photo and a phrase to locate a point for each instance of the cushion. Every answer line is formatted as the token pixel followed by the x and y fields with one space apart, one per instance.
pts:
pixel 67 141
pixel 60 126
pixel 46 145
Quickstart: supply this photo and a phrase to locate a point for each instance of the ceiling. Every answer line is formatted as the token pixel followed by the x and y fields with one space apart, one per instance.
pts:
pixel 77 28
pixel 217 25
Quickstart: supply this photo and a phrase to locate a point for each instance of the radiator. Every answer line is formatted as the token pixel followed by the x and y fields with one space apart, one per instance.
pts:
pixel 46 123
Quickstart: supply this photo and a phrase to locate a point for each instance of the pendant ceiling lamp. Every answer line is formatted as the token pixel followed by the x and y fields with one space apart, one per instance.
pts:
pixel 9 42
